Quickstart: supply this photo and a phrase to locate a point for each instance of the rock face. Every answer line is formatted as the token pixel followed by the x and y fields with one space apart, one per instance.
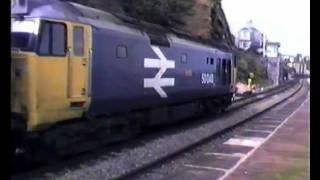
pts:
pixel 220 27
pixel 199 24
pixel 201 18
pixel 209 21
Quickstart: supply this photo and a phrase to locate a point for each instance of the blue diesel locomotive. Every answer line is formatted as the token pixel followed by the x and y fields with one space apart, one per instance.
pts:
pixel 74 62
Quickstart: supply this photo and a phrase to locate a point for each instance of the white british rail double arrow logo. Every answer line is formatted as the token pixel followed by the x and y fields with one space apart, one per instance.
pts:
pixel 163 64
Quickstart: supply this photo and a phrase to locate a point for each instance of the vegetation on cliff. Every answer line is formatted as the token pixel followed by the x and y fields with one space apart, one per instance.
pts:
pixel 162 12
pixel 249 62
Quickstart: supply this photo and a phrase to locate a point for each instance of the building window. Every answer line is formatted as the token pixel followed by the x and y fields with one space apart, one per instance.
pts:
pixel 78 41
pixel 245 35
pixel 122 51
pixel 245 44
pixel 184 58
pixel 53 39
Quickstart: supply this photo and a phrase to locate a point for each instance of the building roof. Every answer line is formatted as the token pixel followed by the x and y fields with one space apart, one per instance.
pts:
pixel 249 28
pixel 273 43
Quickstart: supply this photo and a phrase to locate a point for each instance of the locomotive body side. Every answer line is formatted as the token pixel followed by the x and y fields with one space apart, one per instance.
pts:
pixel 118 83
pixel 79 65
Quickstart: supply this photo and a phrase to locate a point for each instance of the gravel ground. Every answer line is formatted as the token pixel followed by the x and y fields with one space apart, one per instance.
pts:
pixel 126 160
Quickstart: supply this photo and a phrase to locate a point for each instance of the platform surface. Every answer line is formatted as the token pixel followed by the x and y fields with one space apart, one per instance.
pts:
pixel 275 146
pixel 286 155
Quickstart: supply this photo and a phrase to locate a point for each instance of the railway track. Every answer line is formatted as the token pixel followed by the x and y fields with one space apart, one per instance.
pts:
pixel 124 160
pixel 218 157
pixel 205 139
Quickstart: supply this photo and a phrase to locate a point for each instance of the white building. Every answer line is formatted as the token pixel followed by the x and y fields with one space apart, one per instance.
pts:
pixel 250 38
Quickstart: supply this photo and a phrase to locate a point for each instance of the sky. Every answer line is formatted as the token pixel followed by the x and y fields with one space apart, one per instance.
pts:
pixel 284 21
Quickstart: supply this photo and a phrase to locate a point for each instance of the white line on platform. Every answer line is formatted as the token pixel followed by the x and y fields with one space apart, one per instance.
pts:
pixel 257 130
pixel 245 141
pixel 205 167
pixel 270 118
pixel 224 154
pixel 243 159
pixel 260 96
pixel 242 136
pixel 267 125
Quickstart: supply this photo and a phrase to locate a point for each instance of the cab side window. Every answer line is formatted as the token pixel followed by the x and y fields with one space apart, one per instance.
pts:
pixel 52 39
pixel 58 39
pixel 78 41
pixel 45 39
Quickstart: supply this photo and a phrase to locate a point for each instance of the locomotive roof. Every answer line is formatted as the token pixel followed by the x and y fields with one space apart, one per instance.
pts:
pixel 63 10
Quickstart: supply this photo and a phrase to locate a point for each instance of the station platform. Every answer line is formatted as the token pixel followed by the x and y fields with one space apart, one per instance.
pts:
pixel 286 155
pixel 274 146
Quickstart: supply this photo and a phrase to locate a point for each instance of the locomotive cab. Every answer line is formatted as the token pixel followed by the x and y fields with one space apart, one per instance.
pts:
pixel 49 71
pixel 24 33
